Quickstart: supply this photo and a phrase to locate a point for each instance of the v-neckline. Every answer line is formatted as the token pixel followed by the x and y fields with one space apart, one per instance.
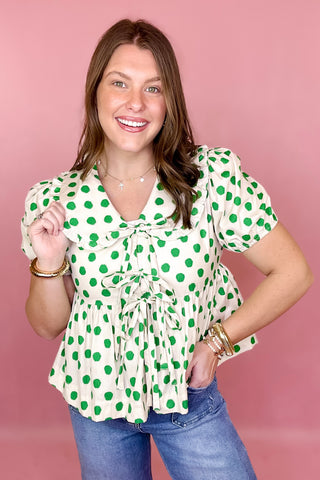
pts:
pixel 143 211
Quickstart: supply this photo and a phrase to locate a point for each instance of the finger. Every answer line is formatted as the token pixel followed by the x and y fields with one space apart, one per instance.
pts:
pixel 55 214
pixel 52 222
pixel 189 371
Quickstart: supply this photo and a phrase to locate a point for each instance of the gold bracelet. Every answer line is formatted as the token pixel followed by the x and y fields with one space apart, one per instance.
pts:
pixel 218 330
pixel 57 273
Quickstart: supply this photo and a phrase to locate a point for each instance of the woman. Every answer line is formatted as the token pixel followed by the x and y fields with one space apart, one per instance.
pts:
pixel 149 310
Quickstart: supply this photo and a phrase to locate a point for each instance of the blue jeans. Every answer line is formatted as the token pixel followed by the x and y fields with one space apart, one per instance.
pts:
pixel 200 445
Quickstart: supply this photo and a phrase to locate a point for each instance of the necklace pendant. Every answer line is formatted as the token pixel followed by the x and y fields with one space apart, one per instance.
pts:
pixel 121 185
pixel 141 179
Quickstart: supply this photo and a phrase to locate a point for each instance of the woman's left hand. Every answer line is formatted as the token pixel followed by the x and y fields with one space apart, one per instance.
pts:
pixel 202 367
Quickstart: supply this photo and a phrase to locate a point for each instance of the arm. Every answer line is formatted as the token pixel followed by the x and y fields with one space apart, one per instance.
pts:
pixel 288 277
pixel 48 303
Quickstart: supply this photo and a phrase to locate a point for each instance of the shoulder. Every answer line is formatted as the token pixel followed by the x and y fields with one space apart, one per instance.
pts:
pixel 216 158
pixel 218 165
pixel 44 192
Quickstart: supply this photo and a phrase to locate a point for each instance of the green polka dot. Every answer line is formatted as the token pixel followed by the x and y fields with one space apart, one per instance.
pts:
pixel 96 383
pixel 108 369
pixel 84 405
pixel 180 277
pixel 165 267
pixel 71 206
pixel 91 220
pixel 191 322
pixel 170 403
pixel 86 379
pixel 130 355
pixel 189 262
pixel 97 410
pixel 73 395
pixel 136 395
pixel 85 189
pixel 175 252
pixel 220 190
pixel 91 257
pixel 108 396
pixel 159 201
pixel 119 406
pixel 74 222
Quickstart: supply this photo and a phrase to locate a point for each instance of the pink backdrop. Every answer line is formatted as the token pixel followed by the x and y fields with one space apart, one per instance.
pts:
pixel 251 75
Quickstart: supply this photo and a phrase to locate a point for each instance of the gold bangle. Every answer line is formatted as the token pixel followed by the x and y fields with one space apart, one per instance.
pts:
pixel 218 330
pixel 56 273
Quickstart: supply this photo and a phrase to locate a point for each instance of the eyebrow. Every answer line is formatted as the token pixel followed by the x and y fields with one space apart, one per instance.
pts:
pixel 123 75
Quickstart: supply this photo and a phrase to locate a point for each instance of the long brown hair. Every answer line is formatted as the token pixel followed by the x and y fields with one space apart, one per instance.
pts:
pixel 174 145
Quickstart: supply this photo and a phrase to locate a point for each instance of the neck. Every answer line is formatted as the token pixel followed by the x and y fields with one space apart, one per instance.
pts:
pixel 124 164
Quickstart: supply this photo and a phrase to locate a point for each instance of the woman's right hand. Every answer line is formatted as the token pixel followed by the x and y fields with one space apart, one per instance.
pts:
pixel 48 240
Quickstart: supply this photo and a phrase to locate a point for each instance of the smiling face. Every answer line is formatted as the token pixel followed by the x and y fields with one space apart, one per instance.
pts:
pixel 130 101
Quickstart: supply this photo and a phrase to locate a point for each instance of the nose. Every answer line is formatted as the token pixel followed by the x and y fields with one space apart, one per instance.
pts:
pixel 135 100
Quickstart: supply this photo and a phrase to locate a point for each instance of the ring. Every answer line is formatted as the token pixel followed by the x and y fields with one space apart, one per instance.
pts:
pixel 39 216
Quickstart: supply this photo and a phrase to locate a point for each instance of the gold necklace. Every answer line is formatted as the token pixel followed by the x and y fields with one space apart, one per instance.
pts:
pixel 121 181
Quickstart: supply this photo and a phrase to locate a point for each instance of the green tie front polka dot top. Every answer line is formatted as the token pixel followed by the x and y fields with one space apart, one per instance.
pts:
pixel 147 291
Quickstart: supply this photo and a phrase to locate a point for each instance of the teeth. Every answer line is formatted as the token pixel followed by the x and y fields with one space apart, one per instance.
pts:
pixel 129 123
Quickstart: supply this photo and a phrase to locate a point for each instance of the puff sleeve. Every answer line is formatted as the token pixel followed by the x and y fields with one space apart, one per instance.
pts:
pixel 38 199
pixel 241 207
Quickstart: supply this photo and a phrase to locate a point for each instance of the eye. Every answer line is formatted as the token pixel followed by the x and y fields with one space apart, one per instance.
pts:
pixel 153 89
pixel 119 83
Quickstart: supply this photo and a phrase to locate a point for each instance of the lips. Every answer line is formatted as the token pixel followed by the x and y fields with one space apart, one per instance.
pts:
pixel 132 125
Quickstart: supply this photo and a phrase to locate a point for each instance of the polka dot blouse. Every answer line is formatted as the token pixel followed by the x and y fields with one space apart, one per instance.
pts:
pixel 148 290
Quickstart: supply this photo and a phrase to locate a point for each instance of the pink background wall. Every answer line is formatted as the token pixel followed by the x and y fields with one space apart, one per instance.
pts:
pixel 251 75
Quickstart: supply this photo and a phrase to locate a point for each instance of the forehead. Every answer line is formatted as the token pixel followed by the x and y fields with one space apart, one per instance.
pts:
pixel 130 58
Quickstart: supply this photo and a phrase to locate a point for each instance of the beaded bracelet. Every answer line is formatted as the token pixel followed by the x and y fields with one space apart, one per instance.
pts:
pixel 218 353
pixel 56 273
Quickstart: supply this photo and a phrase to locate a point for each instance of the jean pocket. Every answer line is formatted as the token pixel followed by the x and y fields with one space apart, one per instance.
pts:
pixel 201 402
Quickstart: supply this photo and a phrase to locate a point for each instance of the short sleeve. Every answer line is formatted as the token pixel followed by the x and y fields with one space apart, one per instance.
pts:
pixel 38 199
pixel 241 207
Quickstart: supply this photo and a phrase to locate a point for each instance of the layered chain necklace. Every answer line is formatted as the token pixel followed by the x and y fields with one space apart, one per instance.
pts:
pixel 129 179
